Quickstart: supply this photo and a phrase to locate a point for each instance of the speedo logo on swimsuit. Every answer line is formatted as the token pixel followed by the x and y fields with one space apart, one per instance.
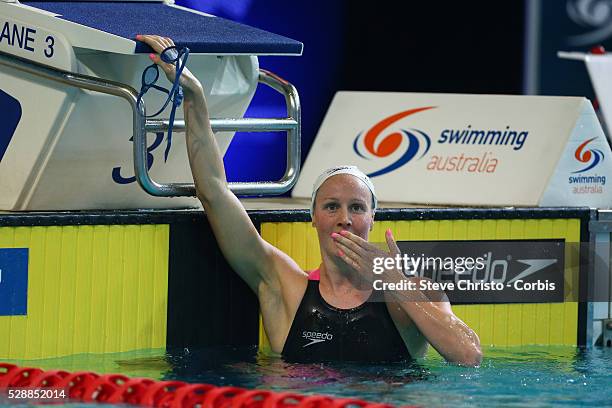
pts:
pixel 316 337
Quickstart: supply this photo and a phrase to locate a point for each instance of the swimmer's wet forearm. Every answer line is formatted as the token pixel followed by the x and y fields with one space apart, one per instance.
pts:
pixel 203 152
pixel 192 89
pixel 450 336
pixel 230 223
pixel 432 314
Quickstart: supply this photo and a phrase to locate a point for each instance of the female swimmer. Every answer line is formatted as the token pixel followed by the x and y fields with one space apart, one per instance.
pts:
pixel 332 313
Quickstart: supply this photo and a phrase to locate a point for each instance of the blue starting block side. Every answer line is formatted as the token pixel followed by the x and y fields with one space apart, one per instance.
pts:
pixel 201 33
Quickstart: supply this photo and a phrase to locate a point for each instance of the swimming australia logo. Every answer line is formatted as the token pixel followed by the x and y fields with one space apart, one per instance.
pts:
pixel 376 142
pixel 590 156
pixel 592 15
pixel 316 337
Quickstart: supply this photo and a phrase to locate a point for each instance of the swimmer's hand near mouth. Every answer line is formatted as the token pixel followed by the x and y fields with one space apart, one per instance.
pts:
pixel 360 254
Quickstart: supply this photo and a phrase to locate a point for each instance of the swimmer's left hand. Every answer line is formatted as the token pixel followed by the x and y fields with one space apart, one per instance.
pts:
pixel 360 254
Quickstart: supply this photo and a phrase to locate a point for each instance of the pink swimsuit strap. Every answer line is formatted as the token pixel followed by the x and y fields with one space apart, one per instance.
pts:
pixel 314 275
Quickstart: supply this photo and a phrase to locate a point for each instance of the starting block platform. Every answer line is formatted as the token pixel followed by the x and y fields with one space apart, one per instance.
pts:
pixel 73 136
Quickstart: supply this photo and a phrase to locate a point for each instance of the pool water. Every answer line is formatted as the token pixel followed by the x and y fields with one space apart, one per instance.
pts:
pixel 535 376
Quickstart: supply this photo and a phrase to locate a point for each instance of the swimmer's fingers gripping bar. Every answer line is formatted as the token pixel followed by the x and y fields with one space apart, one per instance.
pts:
pixel 290 124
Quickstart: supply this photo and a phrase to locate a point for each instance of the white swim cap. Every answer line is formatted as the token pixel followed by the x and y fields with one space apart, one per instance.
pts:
pixel 353 171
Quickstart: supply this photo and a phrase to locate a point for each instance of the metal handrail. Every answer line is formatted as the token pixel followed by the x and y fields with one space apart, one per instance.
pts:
pixel 290 124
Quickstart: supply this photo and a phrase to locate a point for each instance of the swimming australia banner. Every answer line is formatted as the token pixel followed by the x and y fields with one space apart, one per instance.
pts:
pixel 456 149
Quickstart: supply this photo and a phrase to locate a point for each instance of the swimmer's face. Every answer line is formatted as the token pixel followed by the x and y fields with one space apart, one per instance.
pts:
pixel 343 202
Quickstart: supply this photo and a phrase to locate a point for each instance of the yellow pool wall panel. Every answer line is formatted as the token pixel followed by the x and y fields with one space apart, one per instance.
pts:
pixel 91 289
pixel 496 325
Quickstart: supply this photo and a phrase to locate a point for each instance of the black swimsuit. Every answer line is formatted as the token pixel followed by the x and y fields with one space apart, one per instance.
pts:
pixel 321 332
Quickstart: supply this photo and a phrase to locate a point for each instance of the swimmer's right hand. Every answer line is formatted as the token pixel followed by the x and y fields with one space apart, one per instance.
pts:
pixel 187 80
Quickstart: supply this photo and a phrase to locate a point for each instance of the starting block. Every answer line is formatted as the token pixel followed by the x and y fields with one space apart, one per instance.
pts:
pixel 73 136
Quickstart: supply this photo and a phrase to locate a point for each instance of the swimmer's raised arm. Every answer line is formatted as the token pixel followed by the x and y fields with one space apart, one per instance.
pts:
pixel 255 260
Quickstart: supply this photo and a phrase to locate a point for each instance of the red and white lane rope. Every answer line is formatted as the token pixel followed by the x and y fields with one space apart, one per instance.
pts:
pixel 118 389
